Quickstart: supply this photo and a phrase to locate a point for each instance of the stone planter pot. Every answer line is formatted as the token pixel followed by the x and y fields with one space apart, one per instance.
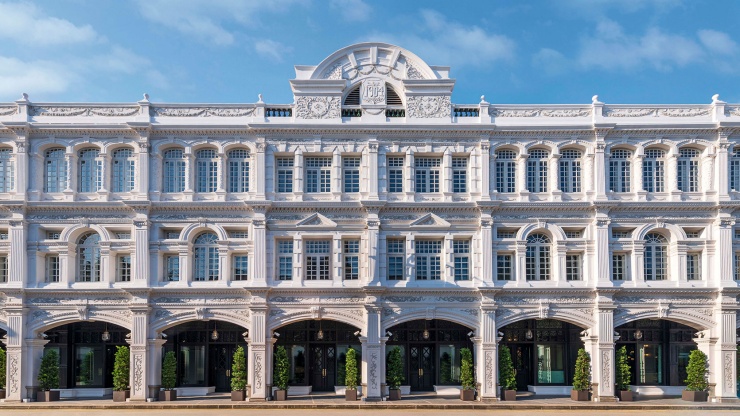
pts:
pixel 350 395
pixel 121 396
pixel 47 396
pixel 2 393
pixel 281 395
pixel 467 395
pixel 238 396
pixel 625 395
pixel 168 395
pixel 579 396
pixel 394 394
pixel 510 395
pixel 694 396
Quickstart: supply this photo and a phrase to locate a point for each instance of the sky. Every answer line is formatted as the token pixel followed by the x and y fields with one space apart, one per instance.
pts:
pixel 228 51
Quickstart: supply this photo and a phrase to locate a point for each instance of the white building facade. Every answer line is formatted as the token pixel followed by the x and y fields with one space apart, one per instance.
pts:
pixel 373 212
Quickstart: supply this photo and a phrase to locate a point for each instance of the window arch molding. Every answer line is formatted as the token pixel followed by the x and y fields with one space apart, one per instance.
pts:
pixel 206 258
pixel 89 258
pixel 554 232
pixel 190 232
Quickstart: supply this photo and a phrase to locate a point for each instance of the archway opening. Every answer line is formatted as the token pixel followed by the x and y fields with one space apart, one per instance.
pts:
pixel 317 353
pixel 205 354
pixel 544 353
pixel 430 350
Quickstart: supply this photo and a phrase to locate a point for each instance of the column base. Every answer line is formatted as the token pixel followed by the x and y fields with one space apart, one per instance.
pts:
pixel 490 399
pixel 256 399
pixel 727 400
pixel 372 399
pixel 607 399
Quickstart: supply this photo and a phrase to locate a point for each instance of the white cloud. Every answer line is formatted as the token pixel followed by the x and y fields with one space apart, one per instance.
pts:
pixel 271 49
pixel 550 61
pixel 718 42
pixel 120 60
pixel 35 77
pixel 353 10
pixel 27 25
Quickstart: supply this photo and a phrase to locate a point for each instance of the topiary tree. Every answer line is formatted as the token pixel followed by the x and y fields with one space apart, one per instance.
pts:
pixel 239 370
pixel 394 372
pixel 623 374
pixel 49 371
pixel 582 374
pixel 2 368
pixel 169 371
pixel 466 369
pixel 86 366
pixel 121 369
pixel 696 372
pixel 506 373
pixel 282 369
pixel 350 378
pixel 445 368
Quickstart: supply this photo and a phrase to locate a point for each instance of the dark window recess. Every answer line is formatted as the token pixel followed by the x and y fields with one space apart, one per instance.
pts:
pixel 351 112
pixel 391 98
pixel 395 112
pixel 353 98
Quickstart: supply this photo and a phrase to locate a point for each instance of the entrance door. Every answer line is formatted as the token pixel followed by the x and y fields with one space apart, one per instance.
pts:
pixel 421 367
pixel 522 357
pixel 323 367
pixel 220 362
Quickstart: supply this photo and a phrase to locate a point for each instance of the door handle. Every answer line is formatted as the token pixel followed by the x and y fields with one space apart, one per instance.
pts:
pixel 421 372
pixel 228 373
pixel 323 372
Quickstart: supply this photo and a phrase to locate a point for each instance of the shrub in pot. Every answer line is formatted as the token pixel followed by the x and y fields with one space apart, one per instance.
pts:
pixel 2 373
pixel 394 374
pixel 239 376
pixel 623 375
pixel 467 393
pixel 169 378
pixel 281 373
pixel 121 371
pixel 581 377
pixel 696 378
pixel 48 377
pixel 350 376
pixel 506 373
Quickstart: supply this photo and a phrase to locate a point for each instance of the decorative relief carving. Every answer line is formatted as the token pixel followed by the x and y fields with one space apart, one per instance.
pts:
pixel 473 312
pixel 655 112
pixel 428 107
pixel 372 91
pixel 412 72
pixel 202 111
pixel 536 112
pixel 138 374
pixel 606 379
pixel 373 370
pixel 675 300
pixel 728 367
pixel 489 370
pixel 685 112
pixel 8 111
pixel 335 72
pixel 13 370
pixel 537 300
pixel 316 108
pixel 732 111
pixel 258 371
pixel 83 111
pixel 317 299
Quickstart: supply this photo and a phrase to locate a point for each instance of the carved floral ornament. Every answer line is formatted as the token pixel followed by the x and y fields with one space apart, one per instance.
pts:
pixel 8 111
pixel 656 112
pixel 317 108
pixel 202 111
pixel 343 70
pixel 428 106
pixel 61 111
pixel 539 112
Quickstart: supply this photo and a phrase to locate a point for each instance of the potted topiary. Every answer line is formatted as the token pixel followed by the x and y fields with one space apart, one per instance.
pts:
pixel 239 376
pixel 696 378
pixel 506 374
pixel 169 378
pixel 581 377
pixel 350 376
pixel 121 374
pixel 2 373
pixel 623 375
pixel 49 377
pixel 282 373
pixel 467 392
pixel 394 374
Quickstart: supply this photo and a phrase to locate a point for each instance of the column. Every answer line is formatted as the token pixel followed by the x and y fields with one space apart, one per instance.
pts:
pixel 107 264
pixel 708 345
pixel 142 166
pixel 259 172
pixel 105 187
pixel 724 252
pixel 603 363
pixel 221 177
pixel 19 363
pixel 138 344
pixel 672 175
pixel 158 173
pixel 487 356
pixel 259 254
pixel 602 255
pixel 373 249
pixel 189 174
pixel 722 166
pixel 724 366
pixel 22 171
pixel 373 359
pixel 260 346
pixel 600 167
pixel 591 345
pixel 298 175
pixel 372 167
pixel 18 273
pixel 408 175
pixel 446 182
pixel 521 177
pixel 141 252
pixel 637 177
pixel 69 192
pixel 154 360
pixel 485 170
pixel 336 175
pixel 486 251
pixel 32 353
pixel 554 178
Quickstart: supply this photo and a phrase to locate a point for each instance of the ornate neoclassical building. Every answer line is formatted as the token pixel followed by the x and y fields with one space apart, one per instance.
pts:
pixel 371 213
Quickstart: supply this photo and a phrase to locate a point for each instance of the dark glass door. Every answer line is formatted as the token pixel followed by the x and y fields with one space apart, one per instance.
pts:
pixel 421 367
pixel 323 367
pixel 522 357
pixel 220 363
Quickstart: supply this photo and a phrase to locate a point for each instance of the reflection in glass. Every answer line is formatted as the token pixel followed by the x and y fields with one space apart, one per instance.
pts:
pixel 193 364
pixel 449 364
pixel 297 364
pixel 651 363
pixel 550 364
pixel 89 366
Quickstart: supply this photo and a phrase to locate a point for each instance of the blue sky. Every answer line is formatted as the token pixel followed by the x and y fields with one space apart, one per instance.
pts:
pixel 558 51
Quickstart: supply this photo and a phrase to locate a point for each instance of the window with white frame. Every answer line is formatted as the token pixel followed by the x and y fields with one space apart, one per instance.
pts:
pixel 238 170
pixel 174 171
pixel 537 260
pixel 4 269
pixel 123 268
pixel 653 170
pixel 461 250
pixel 285 259
pixel 688 170
pixel 502 233
pixel 351 257
pixel 90 166
pixel 284 175
pixel 7 171
pixel 505 171
pixel 351 174
pixel 573 266
pixel 205 259
pixel 206 170
pixel 459 174
pixel 240 267
pixel 124 170
pixel 735 169
pixel 318 174
pixel 619 267
pixel 656 257
pixel 3 235
pixel 171 268
pixel 537 170
pixel 53 235
pixel 693 266
pixel 426 174
pixel 318 260
pixel 55 170
pixel 736 265
pixel 428 259
pixel 620 170
pixel 395 258
pixel 395 174
pixel 570 170
pixel 88 258
pixel 52 268
pixel 504 269
pixel 574 233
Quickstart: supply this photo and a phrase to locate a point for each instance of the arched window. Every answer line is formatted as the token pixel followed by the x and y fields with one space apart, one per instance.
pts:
pixel 90 170
pixel 538 257
pixel 570 171
pixel 205 266
pixel 620 170
pixel 88 258
pixel 537 171
pixel 206 170
pixel 505 171
pixel 124 170
pixel 735 169
pixel 7 173
pixel 653 170
pixel 239 170
pixel 174 171
pixel 688 170
pixel 656 257
pixel 55 170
